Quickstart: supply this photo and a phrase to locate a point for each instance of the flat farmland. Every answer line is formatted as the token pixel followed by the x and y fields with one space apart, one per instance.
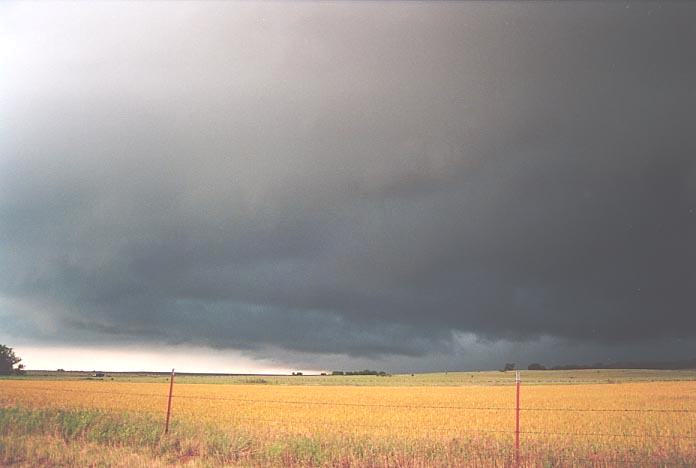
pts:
pixel 594 424
pixel 447 379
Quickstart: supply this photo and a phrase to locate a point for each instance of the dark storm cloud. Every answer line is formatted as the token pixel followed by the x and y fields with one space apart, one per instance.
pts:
pixel 360 178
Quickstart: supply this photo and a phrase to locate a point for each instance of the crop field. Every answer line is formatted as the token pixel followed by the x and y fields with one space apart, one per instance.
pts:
pixel 632 421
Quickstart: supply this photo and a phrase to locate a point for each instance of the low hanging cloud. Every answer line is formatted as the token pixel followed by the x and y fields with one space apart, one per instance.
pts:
pixel 354 178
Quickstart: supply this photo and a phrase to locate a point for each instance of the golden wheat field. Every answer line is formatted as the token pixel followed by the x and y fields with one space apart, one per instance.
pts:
pixel 649 420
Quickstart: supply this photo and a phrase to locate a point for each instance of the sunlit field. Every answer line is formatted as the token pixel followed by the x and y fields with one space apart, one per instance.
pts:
pixel 628 422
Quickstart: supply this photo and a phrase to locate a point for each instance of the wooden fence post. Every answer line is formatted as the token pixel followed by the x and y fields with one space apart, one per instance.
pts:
pixel 169 402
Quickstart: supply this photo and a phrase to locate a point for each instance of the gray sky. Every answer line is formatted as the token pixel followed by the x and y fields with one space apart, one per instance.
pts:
pixel 349 184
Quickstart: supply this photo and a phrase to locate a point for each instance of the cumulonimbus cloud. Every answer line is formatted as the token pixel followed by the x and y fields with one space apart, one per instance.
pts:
pixel 350 178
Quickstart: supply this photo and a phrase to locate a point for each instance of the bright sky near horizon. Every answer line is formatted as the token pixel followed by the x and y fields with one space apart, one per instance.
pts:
pixel 185 358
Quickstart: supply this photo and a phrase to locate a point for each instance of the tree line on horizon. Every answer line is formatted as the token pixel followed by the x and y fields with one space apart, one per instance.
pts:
pixel 361 372
pixel 656 365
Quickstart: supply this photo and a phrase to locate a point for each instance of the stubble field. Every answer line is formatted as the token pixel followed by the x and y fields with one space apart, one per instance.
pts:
pixel 636 420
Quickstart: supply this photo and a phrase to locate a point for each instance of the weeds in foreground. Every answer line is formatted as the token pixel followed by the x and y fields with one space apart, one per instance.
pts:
pixel 58 437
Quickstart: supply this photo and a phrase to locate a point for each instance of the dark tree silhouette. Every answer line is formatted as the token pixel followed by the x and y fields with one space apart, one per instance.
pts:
pixel 8 359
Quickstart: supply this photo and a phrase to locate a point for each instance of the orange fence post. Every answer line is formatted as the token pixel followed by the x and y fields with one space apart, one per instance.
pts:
pixel 169 402
pixel 517 418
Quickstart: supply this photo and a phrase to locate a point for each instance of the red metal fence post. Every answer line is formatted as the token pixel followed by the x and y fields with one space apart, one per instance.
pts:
pixel 517 419
pixel 169 403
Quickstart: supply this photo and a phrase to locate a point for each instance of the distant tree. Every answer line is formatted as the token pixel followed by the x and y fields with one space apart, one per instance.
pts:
pixel 509 366
pixel 536 366
pixel 8 359
pixel 338 372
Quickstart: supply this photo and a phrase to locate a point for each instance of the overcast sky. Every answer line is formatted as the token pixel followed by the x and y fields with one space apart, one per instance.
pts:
pixel 347 184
